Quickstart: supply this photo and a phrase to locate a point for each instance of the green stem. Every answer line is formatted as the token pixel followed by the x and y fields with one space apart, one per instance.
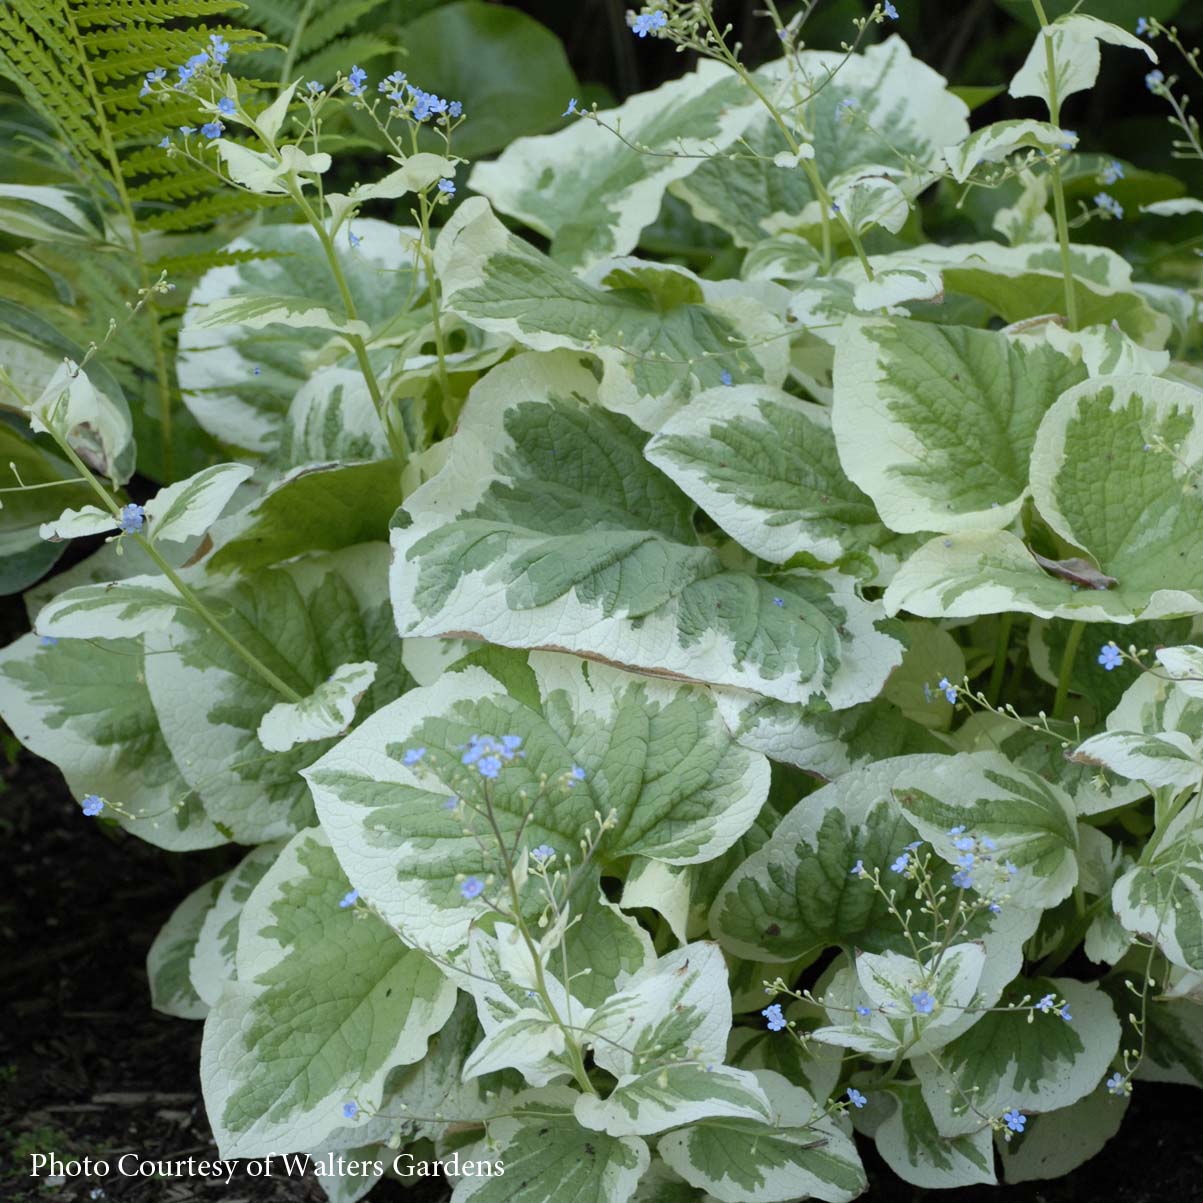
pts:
pixel 1065 674
pixel 432 285
pixel 994 689
pixel 294 45
pixel 1059 208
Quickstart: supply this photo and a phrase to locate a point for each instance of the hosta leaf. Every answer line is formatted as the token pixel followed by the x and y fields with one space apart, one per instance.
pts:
pixel 238 380
pixel 660 331
pixel 303 622
pixel 913 1148
pixel 615 569
pixel 763 465
pixel 590 193
pixel 664 1037
pixel 320 507
pixel 901 117
pixel 332 417
pixel 84 705
pixel 171 988
pixel 325 1004
pixel 1005 1062
pixel 1032 821
pixel 956 412
pixel 799 1155
pixel 188 508
pixel 552 1158
pixel 796 895
pixel 213 961
pixel 654 752
pixel 1140 523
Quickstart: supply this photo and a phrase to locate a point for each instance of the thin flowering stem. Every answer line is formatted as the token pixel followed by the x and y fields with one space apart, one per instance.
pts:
pixel 1059 208
pixel 1065 675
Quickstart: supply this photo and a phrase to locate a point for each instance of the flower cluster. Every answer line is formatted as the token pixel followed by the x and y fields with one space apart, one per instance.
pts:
pixel 1108 205
pixel 410 101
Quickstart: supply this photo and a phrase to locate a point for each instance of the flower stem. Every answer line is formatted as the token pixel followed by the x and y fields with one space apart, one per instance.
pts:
pixel 1067 668
pixel 1059 208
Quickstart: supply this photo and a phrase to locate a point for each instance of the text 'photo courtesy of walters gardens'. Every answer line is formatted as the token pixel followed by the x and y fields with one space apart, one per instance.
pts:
pixel 603 602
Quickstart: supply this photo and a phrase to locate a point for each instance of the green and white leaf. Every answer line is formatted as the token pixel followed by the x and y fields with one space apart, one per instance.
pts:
pixel 326 1003
pixel 590 193
pixel 616 570
pixel 332 417
pixel 239 380
pixel 763 465
pixel 213 961
pixel 1170 758
pixel 171 988
pixel 85 707
pixel 1075 40
pixel 557 1161
pixel 1032 821
pixel 661 332
pixel 802 1154
pixel 49 213
pixel 73 524
pixel 189 507
pixel 656 753
pixel 902 118
pixel 256 312
pixel 955 412
pixel 1058 1143
pixel 303 621
pixel 664 1038
pixel 1005 1062
pixel 913 1148
pixel 325 713
pixel 993 143
pixel 113 610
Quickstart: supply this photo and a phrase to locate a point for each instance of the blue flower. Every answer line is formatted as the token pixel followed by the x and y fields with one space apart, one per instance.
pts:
pixel 646 23
pixel 1011 868
pixel 956 830
pixel 950 690
pixel 844 107
pixel 988 844
pixel 187 129
pixel 775 1019
pixel 1071 139
pixel 862 1010
pixel 391 83
pixel 225 105
pixel 315 88
pixel 350 898
pixel 962 879
pixel 131 519
pixel 47 641
pixel 447 186
pixel 857 869
pixel 164 142
pixel 1110 656
pixel 152 77
pixel 889 10
pixel 1115 1083
pixel 899 865
pixel 412 756
pixel 1112 172
pixel 356 81
pixel 353 238
pixel 220 48
pixel 455 109
pixel 779 602
pixel 923 1002
pixel 92 805
pixel 256 370
pixel 451 803
pixel 489 766
pixel 1015 1120
pixel 212 129
pixel 726 378
pixel 994 908
pixel 966 859
pixel 472 888
pixel 577 773
pixel 1154 80
pixel 350 1110
pixel 543 853
pixel 1142 26
pixel 570 109
pixel 511 743
pixel 1109 205
pixel 855 1097
pixel 1066 1015
pixel 963 843
pixel 927 694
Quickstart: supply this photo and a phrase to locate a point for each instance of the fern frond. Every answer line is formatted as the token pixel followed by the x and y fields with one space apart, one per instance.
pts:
pixel 214 207
pixel 334 20
pixel 151 12
pixel 339 55
pixel 202 261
